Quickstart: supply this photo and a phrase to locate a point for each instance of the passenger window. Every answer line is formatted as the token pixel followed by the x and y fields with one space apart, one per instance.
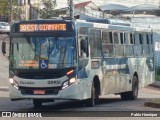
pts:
pixel 146 50
pixel 151 39
pixel 147 38
pixel 118 47
pixel 140 39
pixel 128 46
pixel 83 31
pixel 107 50
pixel 121 38
pixel 95 42
pixel 151 44
pixel 126 40
pixel 84 47
pixel 107 44
pixel 136 38
pixel 119 50
pixel 83 42
pixel 138 49
pixel 131 39
pixel 107 37
pixel 116 40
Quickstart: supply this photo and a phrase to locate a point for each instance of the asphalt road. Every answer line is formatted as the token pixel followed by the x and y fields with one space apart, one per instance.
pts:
pixel 107 103
pixel 69 110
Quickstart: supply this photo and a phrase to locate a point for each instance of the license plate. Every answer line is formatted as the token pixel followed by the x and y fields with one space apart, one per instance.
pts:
pixel 39 92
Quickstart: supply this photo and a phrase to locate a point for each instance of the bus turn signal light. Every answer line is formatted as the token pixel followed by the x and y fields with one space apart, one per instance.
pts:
pixel 69 72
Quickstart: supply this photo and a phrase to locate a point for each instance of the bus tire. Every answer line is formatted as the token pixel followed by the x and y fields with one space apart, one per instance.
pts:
pixel 91 101
pixel 131 95
pixel 37 103
pixel 124 96
pixel 134 93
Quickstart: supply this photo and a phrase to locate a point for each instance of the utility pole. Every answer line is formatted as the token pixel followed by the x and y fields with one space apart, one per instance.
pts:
pixel 11 11
pixel 26 9
pixel 71 8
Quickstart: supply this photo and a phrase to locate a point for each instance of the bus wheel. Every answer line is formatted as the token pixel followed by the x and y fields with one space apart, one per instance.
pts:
pixel 125 96
pixel 131 95
pixel 37 103
pixel 134 92
pixel 91 101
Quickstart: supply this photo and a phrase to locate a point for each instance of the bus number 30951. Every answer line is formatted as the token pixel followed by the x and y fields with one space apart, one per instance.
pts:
pixel 54 82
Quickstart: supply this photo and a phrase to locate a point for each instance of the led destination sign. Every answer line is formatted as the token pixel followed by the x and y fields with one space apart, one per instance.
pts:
pixel 42 27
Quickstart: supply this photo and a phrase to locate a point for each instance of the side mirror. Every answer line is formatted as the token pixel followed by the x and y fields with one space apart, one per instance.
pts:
pixel 4 48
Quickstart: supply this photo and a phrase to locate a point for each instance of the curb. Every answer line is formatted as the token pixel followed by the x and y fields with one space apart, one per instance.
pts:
pixel 152 105
pixel 4 89
pixel 156 84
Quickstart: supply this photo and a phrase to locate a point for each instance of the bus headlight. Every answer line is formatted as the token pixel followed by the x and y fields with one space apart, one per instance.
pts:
pixel 11 80
pixel 72 80
pixel 13 83
pixel 67 83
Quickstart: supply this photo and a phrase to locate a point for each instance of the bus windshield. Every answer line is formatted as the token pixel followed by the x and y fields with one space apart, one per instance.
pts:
pixel 42 52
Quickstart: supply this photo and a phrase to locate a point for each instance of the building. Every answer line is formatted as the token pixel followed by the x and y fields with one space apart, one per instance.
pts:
pixel 83 9
pixel 87 8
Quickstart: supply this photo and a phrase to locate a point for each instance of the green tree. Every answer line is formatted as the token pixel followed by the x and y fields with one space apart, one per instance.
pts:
pixel 48 10
pixel 4 8
pixel 16 12
pixel 10 8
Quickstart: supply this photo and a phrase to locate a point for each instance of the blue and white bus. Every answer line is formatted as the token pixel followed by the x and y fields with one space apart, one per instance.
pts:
pixel 78 60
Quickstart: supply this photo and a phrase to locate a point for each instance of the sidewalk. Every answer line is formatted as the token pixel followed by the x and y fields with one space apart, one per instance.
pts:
pixel 156 102
pixel 156 84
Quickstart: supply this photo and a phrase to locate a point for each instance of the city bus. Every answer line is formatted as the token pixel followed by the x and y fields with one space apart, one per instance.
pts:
pixel 78 60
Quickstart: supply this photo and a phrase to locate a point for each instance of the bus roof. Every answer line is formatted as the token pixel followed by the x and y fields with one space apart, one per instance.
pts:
pixel 84 23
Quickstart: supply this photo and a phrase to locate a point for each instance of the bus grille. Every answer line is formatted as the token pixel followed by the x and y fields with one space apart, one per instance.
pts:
pixel 48 91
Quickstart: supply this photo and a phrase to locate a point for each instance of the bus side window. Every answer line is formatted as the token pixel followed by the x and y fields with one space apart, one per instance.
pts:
pixel 107 44
pixel 125 38
pixel 83 42
pixel 118 44
pixel 95 43
pixel 121 38
pixel 147 38
pixel 140 38
pixel 138 49
pixel 151 44
pixel 146 50
pixel 116 40
pixel 128 47
pixel 137 38
pixel 84 48
pixel 131 39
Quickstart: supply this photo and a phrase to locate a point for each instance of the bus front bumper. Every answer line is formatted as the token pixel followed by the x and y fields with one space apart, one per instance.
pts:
pixel 71 92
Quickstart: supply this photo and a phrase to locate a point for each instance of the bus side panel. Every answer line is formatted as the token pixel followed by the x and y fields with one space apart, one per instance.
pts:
pixel 116 75
pixel 156 49
pixel 144 69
